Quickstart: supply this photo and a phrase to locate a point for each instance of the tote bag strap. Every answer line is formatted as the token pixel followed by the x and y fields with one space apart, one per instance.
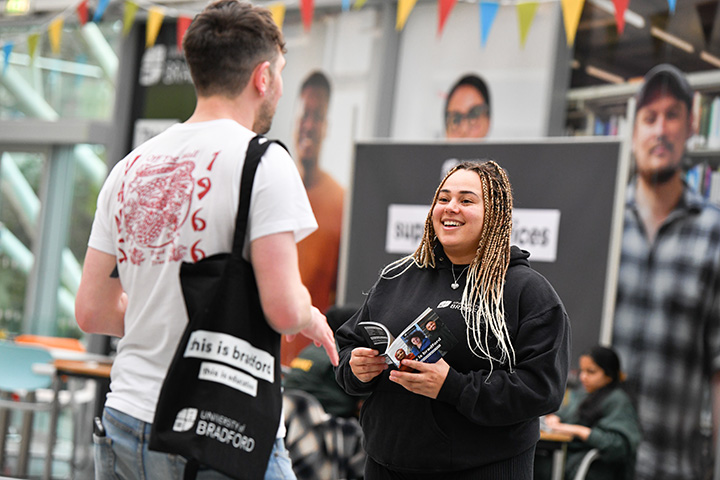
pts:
pixel 256 149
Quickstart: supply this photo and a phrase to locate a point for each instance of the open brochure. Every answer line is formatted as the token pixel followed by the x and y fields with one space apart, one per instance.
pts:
pixel 426 339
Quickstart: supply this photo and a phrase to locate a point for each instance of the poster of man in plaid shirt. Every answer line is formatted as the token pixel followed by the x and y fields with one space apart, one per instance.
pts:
pixel 667 319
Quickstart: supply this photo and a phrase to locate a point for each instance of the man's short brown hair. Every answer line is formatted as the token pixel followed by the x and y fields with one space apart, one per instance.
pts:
pixel 224 44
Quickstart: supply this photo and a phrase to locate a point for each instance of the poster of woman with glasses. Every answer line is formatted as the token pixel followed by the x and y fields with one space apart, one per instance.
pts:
pixel 467 108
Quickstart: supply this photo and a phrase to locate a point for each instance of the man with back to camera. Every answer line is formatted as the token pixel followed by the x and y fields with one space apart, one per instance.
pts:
pixel 320 251
pixel 467 109
pixel 175 199
pixel 667 317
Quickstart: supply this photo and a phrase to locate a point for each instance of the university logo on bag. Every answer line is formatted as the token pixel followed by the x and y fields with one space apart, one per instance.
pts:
pixel 185 419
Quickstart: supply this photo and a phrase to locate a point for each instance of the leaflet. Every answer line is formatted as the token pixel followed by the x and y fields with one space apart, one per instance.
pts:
pixel 426 339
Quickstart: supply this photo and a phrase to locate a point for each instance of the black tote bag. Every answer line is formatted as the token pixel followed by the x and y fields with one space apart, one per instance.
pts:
pixel 220 402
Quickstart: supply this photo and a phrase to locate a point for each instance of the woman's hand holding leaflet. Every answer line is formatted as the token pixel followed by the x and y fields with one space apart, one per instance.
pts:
pixel 427 380
pixel 366 364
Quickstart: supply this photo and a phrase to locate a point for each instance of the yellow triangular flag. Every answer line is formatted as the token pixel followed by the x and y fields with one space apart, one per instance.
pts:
pixel 129 15
pixel 277 10
pixel 526 15
pixel 32 42
pixel 359 4
pixel 403 12
pixel 571 16
pixel 154 21
pixel 55 34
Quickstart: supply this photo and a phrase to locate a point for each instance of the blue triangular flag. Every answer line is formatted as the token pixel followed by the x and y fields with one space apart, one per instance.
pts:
pixel 345 5
pixel 100 10
pixel 488 11
pixel 672 5
pixel 7 49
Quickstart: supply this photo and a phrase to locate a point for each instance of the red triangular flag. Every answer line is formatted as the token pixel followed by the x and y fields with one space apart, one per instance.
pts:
pixel 444 8
pixel 307 9
pixel 183 22
pixel 620 7
pixel 82 12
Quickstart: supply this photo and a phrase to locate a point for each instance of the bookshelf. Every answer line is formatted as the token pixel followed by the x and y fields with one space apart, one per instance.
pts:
pixel 601 110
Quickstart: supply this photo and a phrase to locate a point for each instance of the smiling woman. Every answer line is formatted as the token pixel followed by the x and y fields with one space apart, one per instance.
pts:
pixel 478 406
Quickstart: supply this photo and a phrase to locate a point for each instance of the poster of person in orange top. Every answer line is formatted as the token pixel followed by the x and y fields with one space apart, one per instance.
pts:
pixel 318 254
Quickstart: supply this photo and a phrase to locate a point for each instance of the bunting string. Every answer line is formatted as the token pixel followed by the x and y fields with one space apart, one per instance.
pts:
pixel 78 14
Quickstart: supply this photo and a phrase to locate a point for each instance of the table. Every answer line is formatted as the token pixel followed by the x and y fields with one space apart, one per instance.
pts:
pixel 92 367
pixel 83 368
pixel 557 442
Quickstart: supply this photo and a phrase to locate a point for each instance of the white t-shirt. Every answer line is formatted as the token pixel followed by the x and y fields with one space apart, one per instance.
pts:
pixel 175 199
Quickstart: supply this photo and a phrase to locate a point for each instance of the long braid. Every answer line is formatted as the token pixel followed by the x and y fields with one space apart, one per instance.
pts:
pixel 482 304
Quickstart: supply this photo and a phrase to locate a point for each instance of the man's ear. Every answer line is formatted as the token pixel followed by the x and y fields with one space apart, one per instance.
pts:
pixel 261 77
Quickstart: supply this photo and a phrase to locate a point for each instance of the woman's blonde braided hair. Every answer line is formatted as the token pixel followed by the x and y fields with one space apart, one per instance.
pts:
pixel 482 298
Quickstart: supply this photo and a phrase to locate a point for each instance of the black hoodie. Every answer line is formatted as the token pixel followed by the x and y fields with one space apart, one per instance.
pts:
pixel 478 418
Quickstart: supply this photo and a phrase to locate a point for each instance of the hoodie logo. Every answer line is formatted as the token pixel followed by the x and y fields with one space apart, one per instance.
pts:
pixel 453 305
pixel 450 304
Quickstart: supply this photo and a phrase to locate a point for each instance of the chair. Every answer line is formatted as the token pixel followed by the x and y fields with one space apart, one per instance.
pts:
pixel 19 383
pixel 589 457
pixel 78 399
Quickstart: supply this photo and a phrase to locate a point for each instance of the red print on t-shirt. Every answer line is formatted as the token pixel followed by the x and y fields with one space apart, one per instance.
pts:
pixel 157 204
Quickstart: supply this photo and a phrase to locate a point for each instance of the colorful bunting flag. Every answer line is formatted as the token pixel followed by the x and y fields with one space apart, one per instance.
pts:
pixel 620 7
pixel 55 34
pixel 671 3
pixel 488 12
pixel 82 12
pixel 100 10
pixel 183 22
pixel 403 12
pixel 307 10
pixel 277 10
pixel 7 50
pixel 571 16
pixel 526 14
pixel 131 9
pixel 345 5
pixel 32 41
pixel 154 22
pixel 359 4
pixel 444 9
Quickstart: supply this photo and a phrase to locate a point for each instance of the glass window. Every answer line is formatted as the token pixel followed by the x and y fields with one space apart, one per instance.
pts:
pixel 20 179
pixel 21 201
pixel 76 82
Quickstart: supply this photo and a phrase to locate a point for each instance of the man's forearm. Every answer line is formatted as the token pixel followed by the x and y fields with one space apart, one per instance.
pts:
pixel 100 302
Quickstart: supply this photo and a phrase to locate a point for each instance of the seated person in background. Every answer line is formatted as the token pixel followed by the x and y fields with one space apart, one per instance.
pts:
pixel 601 416
pixel 467 109
pixel 312 373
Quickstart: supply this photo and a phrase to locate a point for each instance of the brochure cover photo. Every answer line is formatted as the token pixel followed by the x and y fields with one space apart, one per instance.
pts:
pixel 426 339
